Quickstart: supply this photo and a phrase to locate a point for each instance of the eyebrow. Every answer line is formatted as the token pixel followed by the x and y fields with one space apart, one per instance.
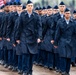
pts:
pixel 67 13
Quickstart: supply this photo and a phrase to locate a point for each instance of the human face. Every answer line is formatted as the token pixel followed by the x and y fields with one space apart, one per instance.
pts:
pixel 49 11
pixel 67 15
pixel 6 8
pixel 29 7
pixel 10 8
pixel 44 12
pixel 19 8
pixel 55 11
pixel 74 15
pixel 62 8
pixel 14 8
pixel 40 12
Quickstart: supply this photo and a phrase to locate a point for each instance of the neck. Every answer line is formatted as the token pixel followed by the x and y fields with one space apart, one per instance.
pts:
pixel 10 11
pixel 67 18
pixel 61 12
pixel 18 12
pixel 30 12
pixel 6 12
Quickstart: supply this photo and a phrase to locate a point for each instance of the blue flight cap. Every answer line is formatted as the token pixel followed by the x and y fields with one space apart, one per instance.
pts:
pixel 43 8
pixel 2 7
pixel 49 7
pixel 10 3
pixel 36 8
pixel 24 7
pixel 55 7
pixel 62 3
pixel 7 4
pixel 18 3
pixel 40 8
pixel 14 3
pixel 66 10
pixel 74 12
pixel 29 2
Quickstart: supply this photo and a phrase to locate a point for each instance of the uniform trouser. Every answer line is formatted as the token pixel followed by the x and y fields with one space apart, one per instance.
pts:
pixel 10 57
pixel 73 59
pixel 65 64
pixel 41 57
pixel 44 57
pixel 27 63
pixel 38 60
pixel 20 62
pixel 35 58
pixel 56 61
pixel 15 58
pixel 50 59
pixel 1 54
pixel 5 55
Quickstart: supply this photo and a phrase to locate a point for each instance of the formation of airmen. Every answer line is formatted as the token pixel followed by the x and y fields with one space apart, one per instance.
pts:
pixel 41 36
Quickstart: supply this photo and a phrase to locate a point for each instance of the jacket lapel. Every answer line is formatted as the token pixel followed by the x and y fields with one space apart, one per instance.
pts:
pixel 67 25
pixel 28 20
pixel 70 24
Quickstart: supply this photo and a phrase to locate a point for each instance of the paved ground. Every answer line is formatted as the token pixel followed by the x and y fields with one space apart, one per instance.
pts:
pixel 37 71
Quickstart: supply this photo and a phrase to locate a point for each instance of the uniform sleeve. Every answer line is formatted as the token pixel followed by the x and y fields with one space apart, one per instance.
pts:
pixel 50 24
pixel 1 27
pixel 74 28
pixel 15 32
pixel 57 34
pixel 53 27
pixel 39 27
pixel 19 28
pixel 9 26
pixel 44 27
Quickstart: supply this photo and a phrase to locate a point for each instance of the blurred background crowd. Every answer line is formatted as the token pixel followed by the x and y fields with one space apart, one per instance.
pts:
pixel 69 3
